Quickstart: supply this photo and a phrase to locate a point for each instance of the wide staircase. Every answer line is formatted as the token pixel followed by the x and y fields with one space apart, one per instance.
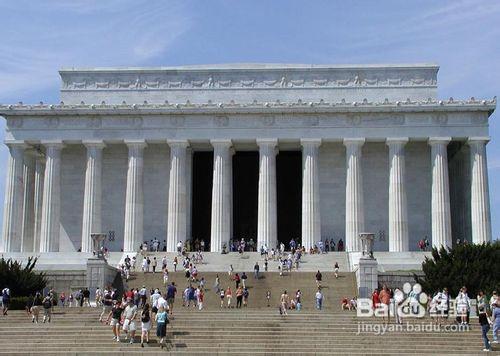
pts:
pixel 76 331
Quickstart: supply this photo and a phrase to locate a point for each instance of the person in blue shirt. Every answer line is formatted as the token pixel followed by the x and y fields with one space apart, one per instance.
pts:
pixel 161 325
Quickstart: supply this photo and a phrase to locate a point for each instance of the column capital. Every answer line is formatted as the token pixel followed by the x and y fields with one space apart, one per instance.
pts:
pixel 52 143
pixel 439 140
pixel 272 142
pixel 396 141
pixel 359 141
pixel 16 144
pixel 178 143
pixel 316 142
pixel 221 142
pixel 478 139
pixel 94 144
pixel 136 143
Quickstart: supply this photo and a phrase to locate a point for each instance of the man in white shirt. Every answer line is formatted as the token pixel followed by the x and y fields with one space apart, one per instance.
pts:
pixel 129 313
pixel 154 300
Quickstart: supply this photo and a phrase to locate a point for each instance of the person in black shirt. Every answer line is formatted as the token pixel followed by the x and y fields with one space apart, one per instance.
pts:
pixel 116 314
pixel 107 305
pixel 485 322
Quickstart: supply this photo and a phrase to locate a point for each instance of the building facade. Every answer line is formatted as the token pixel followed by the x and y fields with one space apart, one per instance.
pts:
pixel 379 153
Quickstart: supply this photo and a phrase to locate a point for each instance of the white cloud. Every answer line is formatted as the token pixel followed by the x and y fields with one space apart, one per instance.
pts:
pixel 81 33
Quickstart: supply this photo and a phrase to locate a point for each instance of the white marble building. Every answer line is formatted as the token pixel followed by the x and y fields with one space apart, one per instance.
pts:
pixel 380 153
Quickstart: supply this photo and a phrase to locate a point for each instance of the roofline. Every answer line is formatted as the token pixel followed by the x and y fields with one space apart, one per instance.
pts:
pixel 247 67
pixel 265 108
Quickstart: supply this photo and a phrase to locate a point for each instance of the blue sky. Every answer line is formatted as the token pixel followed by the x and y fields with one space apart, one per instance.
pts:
pixel 37 38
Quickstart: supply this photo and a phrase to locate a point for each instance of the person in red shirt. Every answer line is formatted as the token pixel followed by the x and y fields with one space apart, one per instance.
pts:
pixel 375 299
pixel 129 294
pixel 385 298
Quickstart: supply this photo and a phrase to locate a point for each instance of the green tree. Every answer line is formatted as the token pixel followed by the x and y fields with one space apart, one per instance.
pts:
pixel 22 281
pixel 473 266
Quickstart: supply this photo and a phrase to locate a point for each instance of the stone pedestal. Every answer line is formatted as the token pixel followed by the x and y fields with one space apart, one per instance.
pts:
pixel 367 277
pixel 99 274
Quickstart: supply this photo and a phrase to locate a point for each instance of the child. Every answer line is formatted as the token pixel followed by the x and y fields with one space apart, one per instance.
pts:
pixel 268 297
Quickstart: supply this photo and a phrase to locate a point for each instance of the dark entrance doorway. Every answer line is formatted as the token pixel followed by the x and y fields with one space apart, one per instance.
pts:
pixel 245 194
pixel 289 195
pixel 201 203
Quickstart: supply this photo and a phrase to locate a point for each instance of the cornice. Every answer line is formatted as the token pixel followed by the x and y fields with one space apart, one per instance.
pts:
pixel 297 107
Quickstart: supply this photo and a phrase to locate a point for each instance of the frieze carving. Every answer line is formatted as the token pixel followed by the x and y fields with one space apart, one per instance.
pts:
pixel 15 122
pixel 221 121
pixel 94 122
pixel 175 80
pixel 52 122
pixel 268 120
pixel 354 120
pixel 178 121
pixel 440 119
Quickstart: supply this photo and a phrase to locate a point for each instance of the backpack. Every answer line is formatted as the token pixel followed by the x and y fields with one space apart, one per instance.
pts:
pixel 47 304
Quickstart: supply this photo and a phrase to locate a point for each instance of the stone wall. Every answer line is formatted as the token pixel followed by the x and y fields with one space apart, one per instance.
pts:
pixel 397 279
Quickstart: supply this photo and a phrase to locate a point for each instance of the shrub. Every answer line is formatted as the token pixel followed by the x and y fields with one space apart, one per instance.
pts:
pixel 18 303
pixel 22 281
pixel 473 266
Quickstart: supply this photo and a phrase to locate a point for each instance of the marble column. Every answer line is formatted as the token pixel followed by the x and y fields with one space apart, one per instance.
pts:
pixel 91 222
pixel 38 200
pixel 14 194
pixel 440 201
pixel 134 197
pixel 267 215
pixel 354 202
pixel 28 202
pixel 177 204
pixel 221 195
pixel 398 215
pixel 480 199
pixel 51 205
pixel 311 215
pixel 189 193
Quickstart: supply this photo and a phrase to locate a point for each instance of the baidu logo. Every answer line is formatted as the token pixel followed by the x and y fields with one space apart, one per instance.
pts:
pixel 409 302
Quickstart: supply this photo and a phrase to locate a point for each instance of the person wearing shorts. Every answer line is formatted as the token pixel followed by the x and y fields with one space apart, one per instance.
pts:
pixel 115 314
pixel 107 305
pixel 145 324
pixel 161 325
pixel 171 292
pixel 129 315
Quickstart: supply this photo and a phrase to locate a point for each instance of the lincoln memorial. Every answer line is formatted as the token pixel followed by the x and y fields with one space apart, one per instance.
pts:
pixel 263 151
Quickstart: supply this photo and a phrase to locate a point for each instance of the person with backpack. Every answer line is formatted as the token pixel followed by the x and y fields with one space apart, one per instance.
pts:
pixel 145 324
pixel 47 308
pixel 107 304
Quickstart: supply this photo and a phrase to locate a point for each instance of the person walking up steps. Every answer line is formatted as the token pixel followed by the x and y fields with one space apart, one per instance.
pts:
pixel 229 296
pixel 268 297
pixel 284 300
pixel 318 279
pixel 319 299
pixel 161 326
pixel 336 270
pixel 145 324
pixel 129 313
pixel 115 315
pixel 239 297
pixel 107 304
pixel 47 308
pixel 222 296
pixel 5 300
